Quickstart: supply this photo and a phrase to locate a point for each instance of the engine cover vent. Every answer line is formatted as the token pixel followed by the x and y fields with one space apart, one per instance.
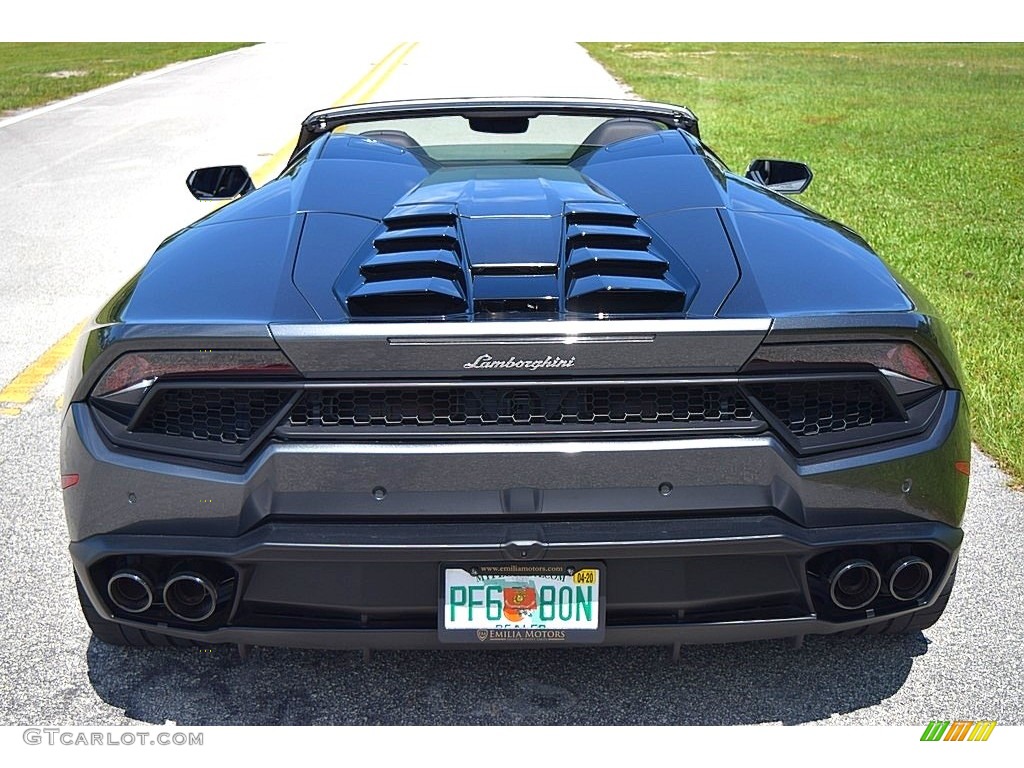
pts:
pixel 416 268
pixel 611 267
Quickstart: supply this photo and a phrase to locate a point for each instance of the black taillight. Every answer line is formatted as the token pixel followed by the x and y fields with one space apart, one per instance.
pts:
pixel 133 373
pixel 902 358
pixel 836 395
pixel 207 404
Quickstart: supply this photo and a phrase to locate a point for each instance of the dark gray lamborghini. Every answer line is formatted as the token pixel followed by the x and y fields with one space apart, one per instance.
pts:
pixel 505 372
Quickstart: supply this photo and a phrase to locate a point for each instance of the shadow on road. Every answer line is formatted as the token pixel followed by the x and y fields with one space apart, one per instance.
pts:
pixel 711 685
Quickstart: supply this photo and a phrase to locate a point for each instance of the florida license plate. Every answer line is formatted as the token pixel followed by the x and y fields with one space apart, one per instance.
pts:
pixel 522 603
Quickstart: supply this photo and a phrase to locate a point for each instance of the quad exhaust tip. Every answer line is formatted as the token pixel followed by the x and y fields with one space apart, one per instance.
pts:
pixel 190 596
pixel 909 578
pixel 854 584
pixel 131 591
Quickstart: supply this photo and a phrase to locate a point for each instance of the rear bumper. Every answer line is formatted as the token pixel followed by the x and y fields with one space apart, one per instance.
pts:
pixel 526 479
pixel 377 585
pixel 737 549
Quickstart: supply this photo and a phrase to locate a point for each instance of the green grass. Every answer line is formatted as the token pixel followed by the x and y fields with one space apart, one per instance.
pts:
pixel 919 147
pixel 37 73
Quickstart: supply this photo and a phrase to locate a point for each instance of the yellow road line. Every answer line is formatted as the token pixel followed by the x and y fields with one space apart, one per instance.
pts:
pixel 365 87
pixel 24 386
pixel 383 77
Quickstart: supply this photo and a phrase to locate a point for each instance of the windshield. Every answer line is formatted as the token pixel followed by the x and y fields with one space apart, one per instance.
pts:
pixel 455 139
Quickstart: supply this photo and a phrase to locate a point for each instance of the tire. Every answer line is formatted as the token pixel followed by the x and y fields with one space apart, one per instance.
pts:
pixel 112 633
pixel 915 622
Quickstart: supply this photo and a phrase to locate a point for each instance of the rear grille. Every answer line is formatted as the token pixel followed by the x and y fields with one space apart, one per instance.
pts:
pixel 809 408
pixel 223 415
pixel 812 415
pixel 494 406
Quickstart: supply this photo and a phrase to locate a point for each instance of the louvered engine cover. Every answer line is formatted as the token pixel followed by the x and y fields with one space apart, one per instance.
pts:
pixel 513 248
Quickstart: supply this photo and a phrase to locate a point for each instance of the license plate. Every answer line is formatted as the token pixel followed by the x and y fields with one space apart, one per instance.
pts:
pixel 522 603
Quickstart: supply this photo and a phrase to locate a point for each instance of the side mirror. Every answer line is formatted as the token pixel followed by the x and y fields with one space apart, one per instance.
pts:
pixel 783 176
pixel 221 182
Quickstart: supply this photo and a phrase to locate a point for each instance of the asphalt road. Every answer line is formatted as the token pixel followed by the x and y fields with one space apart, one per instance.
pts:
pixel 88 191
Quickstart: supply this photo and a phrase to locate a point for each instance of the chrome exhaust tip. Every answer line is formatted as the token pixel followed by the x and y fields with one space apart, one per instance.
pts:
pixel 909 578
pixel 190 596
pixel 130 591
pixel 854 584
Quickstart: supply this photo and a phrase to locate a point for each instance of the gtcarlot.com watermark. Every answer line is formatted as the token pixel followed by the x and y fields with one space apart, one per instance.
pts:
pixel 77 737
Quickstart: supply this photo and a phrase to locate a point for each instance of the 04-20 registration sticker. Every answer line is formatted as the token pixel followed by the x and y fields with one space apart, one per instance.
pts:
pixel 522 603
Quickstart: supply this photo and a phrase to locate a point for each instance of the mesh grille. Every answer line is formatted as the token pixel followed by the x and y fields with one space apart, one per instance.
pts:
pixel 232 416
pixel 220 415
pixel 811 408
pixel 535 405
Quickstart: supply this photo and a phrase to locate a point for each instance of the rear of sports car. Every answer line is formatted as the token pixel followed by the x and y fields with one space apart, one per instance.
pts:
pixel 504 403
